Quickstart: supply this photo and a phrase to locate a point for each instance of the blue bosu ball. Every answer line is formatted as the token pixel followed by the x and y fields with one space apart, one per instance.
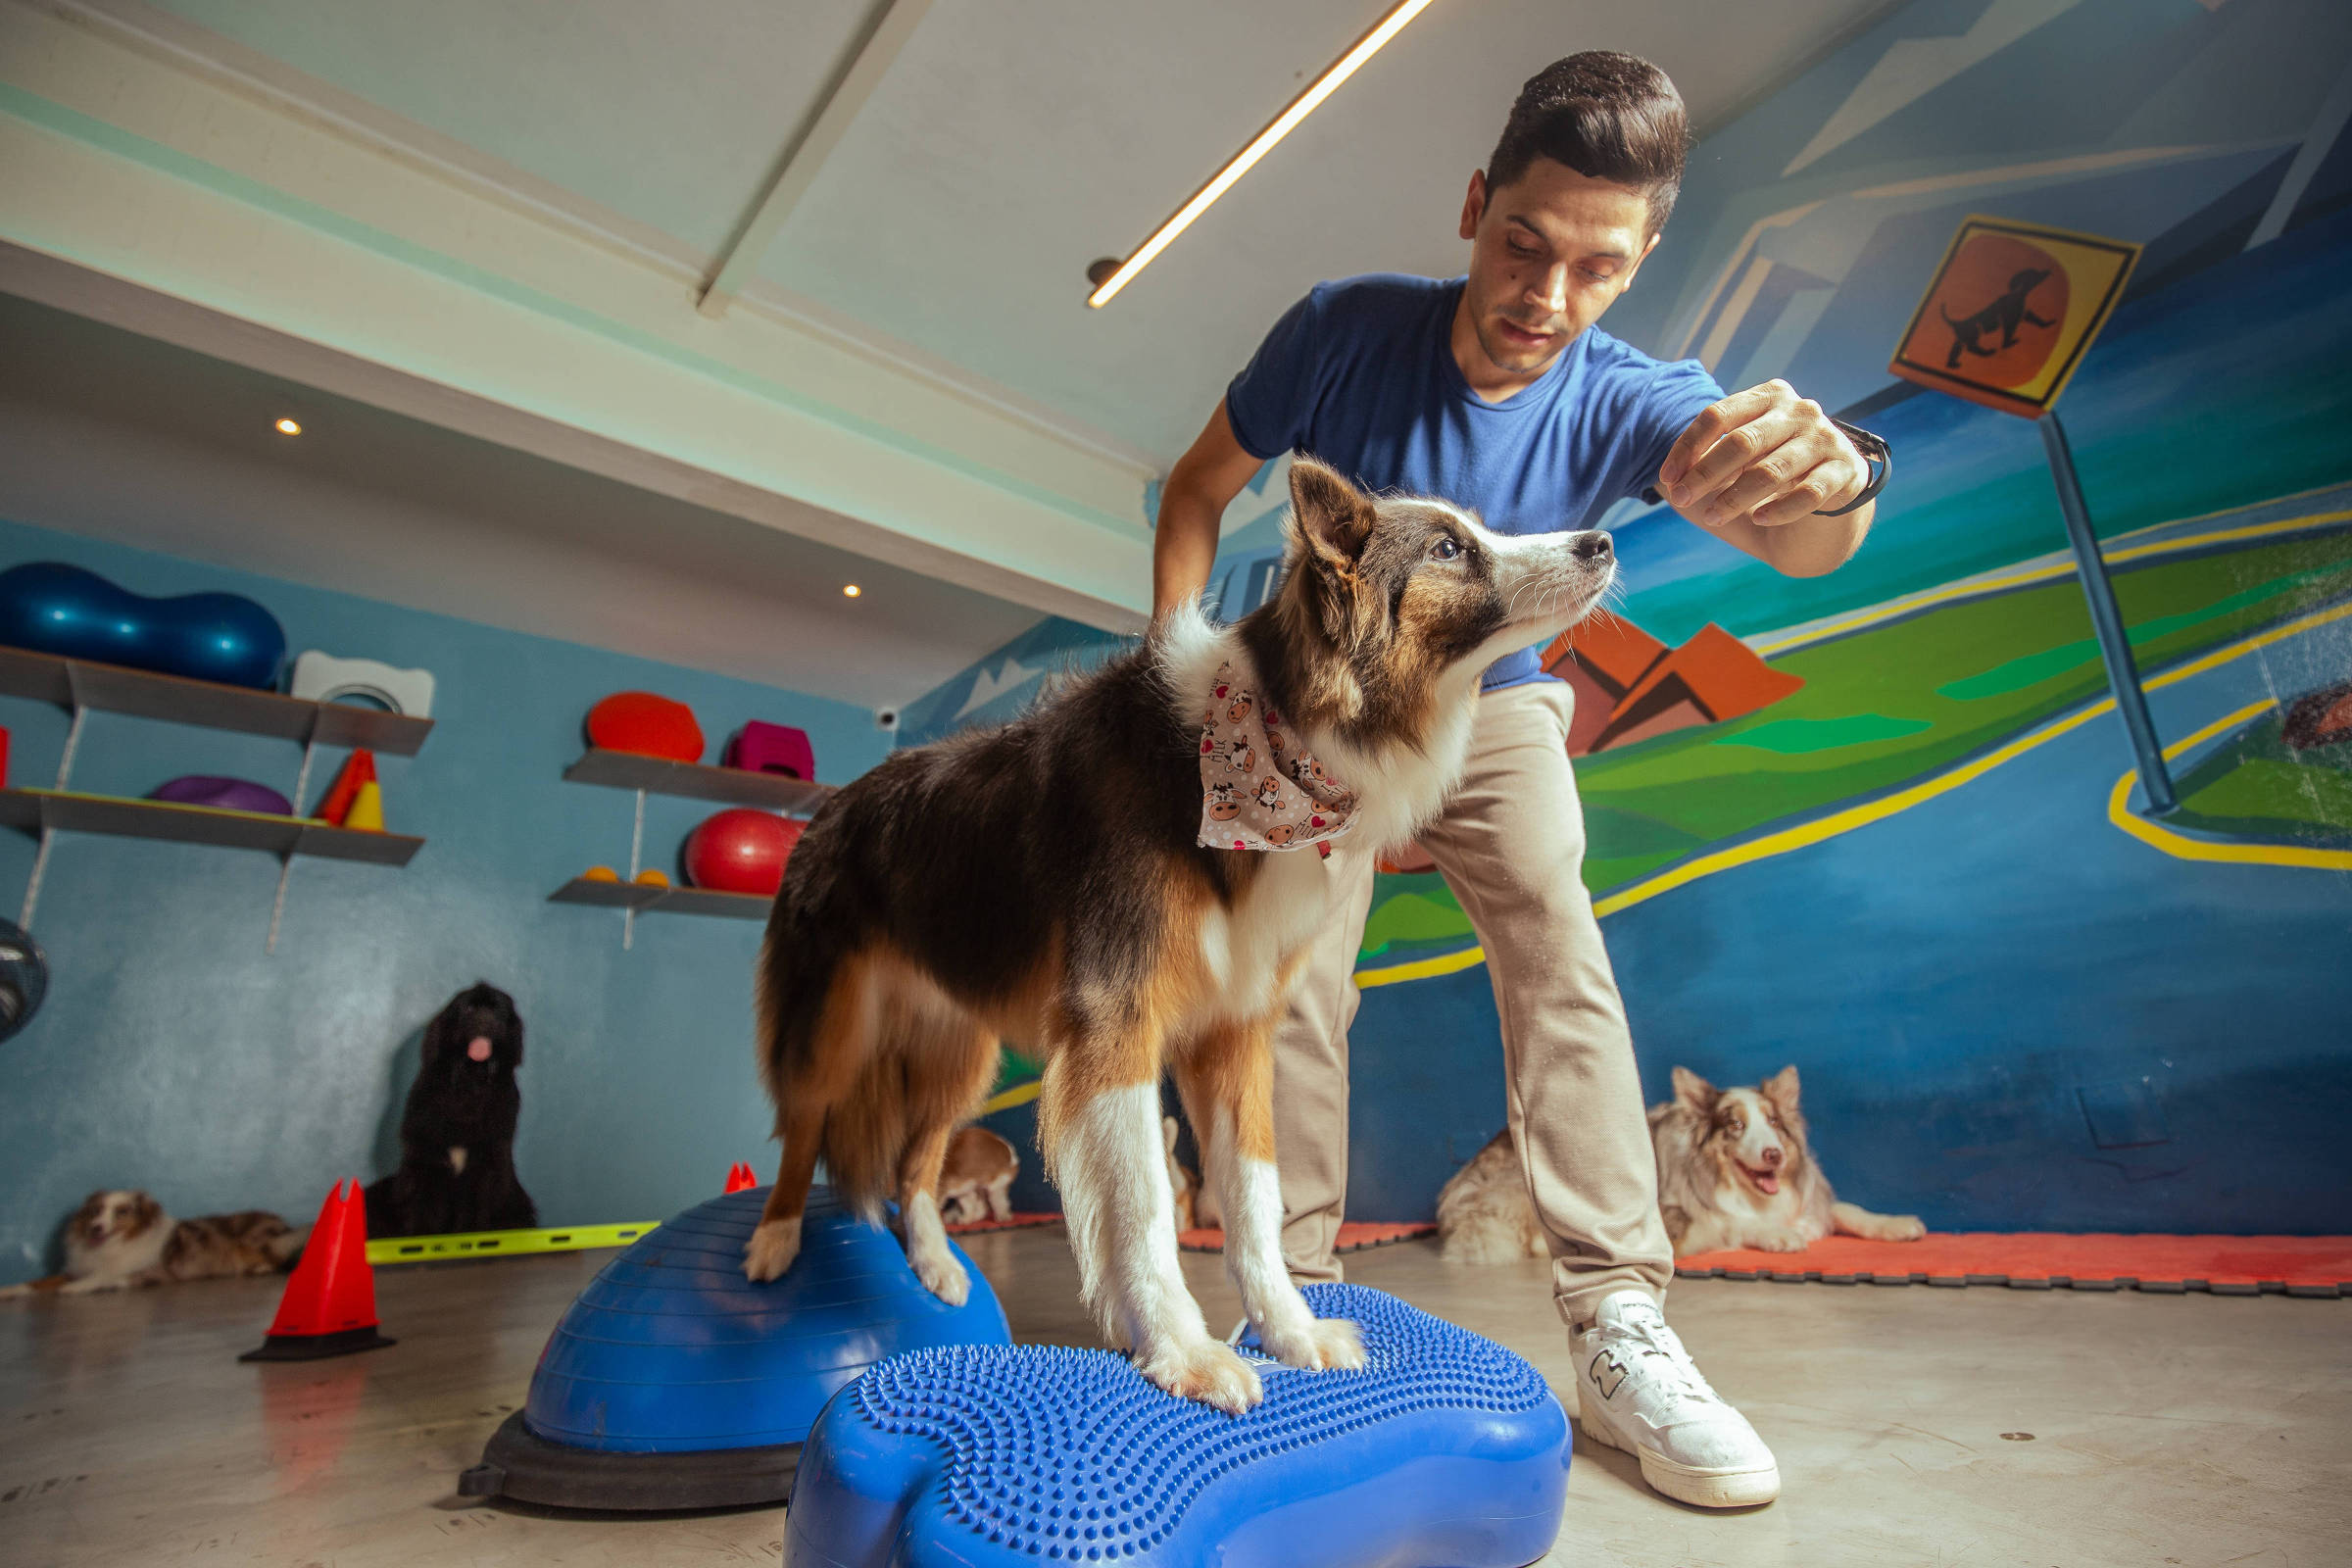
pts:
pixel 673 1382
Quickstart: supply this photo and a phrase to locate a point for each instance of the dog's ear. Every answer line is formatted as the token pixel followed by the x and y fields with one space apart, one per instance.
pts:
pixel 1781 1089
pixel 145 1211
pixel 1694 1091
pixel 517 1018
pixel 1330 517
pixel 438 1037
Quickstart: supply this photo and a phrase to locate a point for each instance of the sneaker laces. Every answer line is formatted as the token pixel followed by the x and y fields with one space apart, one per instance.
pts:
pixel 1666 1365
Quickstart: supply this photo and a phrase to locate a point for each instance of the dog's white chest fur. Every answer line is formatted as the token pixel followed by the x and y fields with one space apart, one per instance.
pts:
pixel 1295 890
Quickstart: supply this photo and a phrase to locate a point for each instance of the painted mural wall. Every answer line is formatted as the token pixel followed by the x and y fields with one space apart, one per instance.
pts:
pixel 174 1052
pixel 1883 824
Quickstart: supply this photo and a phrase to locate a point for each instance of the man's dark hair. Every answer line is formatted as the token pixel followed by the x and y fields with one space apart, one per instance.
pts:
pixel 1606 116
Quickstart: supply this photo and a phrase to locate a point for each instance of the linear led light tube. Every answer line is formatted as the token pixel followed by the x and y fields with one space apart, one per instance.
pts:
pixel 1389 26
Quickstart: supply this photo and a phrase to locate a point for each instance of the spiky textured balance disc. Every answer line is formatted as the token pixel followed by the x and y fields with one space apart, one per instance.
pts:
pixel 1444 1449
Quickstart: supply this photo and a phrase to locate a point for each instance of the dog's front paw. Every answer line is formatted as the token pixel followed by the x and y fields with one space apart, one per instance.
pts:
pixel 771 1249
pixel 1779 1242
pixel 942 1276
pixel 1901 1228
pixel 1319 1344
pixel 1206 1371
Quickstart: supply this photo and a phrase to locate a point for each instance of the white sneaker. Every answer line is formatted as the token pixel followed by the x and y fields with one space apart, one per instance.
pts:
pixel 1638 1390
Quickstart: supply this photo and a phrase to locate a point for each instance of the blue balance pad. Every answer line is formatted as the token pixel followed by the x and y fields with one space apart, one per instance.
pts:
pixel 1446 1448
pixel 670 1349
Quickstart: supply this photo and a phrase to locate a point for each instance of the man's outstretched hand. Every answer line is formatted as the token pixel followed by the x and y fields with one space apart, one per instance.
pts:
pixel 1760 460
pixel 1763 456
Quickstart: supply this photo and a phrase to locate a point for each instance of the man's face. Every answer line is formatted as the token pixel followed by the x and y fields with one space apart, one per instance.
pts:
pixel 1550 250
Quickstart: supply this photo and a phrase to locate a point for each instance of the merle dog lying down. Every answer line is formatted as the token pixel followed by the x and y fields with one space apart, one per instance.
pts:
pixel 457 1134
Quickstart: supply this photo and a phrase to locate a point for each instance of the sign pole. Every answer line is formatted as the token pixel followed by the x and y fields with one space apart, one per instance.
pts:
pixel 2114 648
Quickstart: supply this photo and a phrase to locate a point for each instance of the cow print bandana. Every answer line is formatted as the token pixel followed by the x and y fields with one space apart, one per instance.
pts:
pixel 1259 787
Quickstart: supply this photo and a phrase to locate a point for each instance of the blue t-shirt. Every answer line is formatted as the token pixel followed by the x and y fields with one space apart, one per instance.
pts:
pixel 1362 374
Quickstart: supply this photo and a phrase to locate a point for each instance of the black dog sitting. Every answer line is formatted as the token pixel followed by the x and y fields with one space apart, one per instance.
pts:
pixel 457 1134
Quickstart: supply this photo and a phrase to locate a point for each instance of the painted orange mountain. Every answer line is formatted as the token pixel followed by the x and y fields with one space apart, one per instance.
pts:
pixel 1631 686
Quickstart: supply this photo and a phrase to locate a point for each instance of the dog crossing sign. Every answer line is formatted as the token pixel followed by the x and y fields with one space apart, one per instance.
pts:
pixel 2011 311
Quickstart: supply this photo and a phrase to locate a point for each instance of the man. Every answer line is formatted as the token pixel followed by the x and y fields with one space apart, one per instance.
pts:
pixel 1495 391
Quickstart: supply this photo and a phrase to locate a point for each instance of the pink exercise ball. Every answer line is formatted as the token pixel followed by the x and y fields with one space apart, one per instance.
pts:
pixel 740 850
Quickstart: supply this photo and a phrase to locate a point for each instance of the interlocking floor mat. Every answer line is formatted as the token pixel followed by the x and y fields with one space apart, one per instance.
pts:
pixel 2225 1265
pixel 1353 1237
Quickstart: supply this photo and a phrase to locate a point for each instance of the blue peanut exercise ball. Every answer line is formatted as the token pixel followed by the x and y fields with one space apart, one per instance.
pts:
pixel 54 609
pixel 673 1382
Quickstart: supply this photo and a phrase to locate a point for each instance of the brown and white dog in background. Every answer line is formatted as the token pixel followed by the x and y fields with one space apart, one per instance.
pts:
pixel 1736 1169
pixel 118 1239
pixel 975 1181
pixel 1042 883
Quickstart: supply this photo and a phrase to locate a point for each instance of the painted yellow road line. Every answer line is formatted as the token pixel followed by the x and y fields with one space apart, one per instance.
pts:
pixel 2181 846
pixel 501 1244
pixel 1806 834
pixel 2049 571
pixel 1421 968
pixel 1017 1095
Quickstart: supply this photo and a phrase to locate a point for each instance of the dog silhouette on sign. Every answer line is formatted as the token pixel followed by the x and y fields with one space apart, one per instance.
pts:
pixel 2006 313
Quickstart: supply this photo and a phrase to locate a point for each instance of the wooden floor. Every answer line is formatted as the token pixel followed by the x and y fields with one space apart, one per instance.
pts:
pixel 2163 1430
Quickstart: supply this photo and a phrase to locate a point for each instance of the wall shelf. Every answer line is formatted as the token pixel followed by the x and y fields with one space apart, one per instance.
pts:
pixel 85 686
pixel 67 811
pixel 639 898
pixel 80 684
pixel 729 786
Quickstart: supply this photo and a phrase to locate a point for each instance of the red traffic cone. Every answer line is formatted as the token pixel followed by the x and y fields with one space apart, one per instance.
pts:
pixel 329 1304
pixel 741 1176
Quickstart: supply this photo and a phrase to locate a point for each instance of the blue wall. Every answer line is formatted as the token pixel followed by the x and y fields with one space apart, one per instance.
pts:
pixel 172 1054
pixel 2009 1013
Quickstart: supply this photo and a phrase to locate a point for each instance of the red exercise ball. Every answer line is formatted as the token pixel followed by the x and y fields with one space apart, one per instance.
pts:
pixel 740 850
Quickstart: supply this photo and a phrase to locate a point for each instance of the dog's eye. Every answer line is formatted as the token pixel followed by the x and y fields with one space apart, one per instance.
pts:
pixel 1444 548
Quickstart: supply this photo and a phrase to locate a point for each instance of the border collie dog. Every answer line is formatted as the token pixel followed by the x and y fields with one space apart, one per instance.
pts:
pixel 456 1131
pixel 122 1239
pixel 1099 884
pixel 1735 1168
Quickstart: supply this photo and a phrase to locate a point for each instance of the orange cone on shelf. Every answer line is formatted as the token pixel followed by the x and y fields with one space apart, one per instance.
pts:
pixel 741 1176
pixel 366 813
pixel 329 1304
pixel 358 770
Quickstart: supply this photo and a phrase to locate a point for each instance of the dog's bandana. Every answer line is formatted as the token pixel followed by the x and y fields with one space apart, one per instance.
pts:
pixel 1259 788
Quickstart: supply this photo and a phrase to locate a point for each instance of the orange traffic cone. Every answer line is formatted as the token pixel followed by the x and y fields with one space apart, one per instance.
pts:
pixel 329 1304
pixel 740 1176
pixel 358 769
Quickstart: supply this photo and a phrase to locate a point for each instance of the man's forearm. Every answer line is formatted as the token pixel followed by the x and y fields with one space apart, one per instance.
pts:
pixel 1811 547
pixel 1184 547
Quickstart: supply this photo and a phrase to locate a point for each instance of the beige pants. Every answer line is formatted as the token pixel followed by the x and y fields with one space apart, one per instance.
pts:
pixel 1511 844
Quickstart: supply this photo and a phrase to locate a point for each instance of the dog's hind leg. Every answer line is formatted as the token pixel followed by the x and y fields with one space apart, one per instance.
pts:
pixel 949 1062
pixel 1227 1079
pixel 806 1085
pixel 1848 1219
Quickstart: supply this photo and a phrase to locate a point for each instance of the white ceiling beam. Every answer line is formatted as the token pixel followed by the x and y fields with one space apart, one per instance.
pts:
pixel 893 24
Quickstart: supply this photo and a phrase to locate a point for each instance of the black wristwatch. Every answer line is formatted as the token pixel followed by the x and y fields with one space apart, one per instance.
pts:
pixel 1876 452
pixel 1873 450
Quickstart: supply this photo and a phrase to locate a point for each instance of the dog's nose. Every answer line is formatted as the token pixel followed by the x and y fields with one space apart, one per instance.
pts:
pixel 1772 1155
pixel 1592 545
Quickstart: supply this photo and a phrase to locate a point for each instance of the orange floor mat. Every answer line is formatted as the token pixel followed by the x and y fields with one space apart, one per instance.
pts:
pixel 2225 1265
pixel 1353 1237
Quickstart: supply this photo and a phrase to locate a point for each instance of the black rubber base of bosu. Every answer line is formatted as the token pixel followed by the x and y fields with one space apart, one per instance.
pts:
pixel 317 1347
pixel 520 1464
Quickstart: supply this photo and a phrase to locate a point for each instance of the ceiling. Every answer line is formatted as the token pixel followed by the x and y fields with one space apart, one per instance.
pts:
pixel 1014 141
pixel 119 436
pixel 928 285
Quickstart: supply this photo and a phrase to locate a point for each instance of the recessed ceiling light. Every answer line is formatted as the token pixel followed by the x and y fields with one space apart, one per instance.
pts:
pixel 288 427
pixel 1389 26
pixel 850 590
